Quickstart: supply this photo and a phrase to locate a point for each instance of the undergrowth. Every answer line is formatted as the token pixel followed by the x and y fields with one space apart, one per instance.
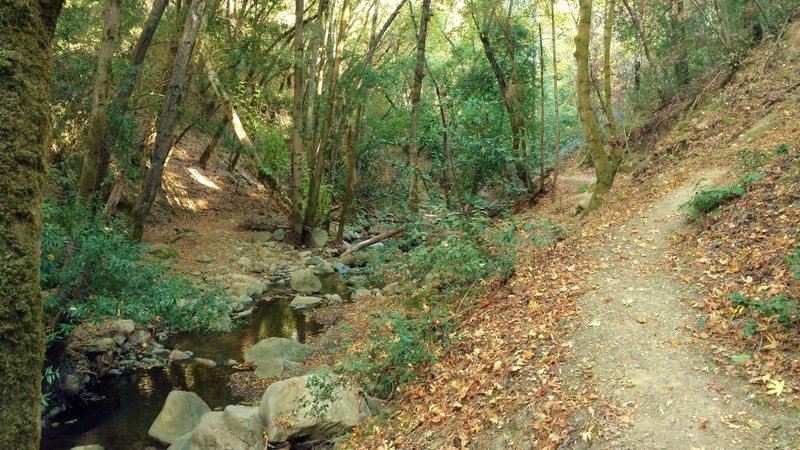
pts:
pixel 90 269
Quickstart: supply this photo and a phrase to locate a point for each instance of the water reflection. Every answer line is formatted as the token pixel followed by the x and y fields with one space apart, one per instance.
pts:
pixel 131 402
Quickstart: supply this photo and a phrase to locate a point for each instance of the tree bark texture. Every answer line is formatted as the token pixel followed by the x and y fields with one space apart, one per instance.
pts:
pixel 25 75
pixel 296 191
pixel 166 122
pixel 604 167
pixel 96 143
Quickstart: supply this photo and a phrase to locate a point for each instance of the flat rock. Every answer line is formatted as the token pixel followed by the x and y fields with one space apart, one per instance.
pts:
pixel 162 251
pixel 178 355
pixel 302 302
pixel 277 347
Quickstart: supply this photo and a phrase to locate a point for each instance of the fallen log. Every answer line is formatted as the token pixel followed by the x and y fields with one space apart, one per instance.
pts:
pixel 373 240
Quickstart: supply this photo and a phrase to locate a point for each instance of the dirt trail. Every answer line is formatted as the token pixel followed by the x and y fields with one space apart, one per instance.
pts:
pixel 635 345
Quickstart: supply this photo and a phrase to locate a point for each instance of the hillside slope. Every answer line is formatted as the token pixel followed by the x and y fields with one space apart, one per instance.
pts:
pixel 622 335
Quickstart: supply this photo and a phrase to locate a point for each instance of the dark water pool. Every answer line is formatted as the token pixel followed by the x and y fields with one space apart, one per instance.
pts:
pixel 131 402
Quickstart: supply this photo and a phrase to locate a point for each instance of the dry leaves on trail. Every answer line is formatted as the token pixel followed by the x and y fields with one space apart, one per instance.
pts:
pixel 502 361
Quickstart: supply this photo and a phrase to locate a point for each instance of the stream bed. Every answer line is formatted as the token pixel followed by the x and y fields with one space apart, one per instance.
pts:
pixel 129 403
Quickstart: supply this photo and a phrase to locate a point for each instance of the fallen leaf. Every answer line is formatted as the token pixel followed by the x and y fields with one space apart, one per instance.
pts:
pixel 775 387
pixel 594 323
pixel 704 422
pixel 641 319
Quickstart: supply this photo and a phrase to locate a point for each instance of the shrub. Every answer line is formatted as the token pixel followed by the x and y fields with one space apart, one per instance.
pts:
pixel 398 349
pixel 781 306
pixel 707 201
pixel 91 269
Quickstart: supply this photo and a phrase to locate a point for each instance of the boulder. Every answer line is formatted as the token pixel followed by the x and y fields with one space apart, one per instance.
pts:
pixel 319 238
pixel 315 261
pixel 236 428
pixel 305 281
pixel 179 415
pixel 361 294
pixel 310 418
pixel 239 303
pixel 204 258
pixel 71 384
pixel 277 347
pixel 177 355
pixel 279 234
pixel 139 338
pixel 124 326
pixel 333 298
pixel 342 268
pixel 302 302
pixel 259 267
pixel 324 269
pixel 273 368
pixel 261 237
pixel 162 251
pixel 392 288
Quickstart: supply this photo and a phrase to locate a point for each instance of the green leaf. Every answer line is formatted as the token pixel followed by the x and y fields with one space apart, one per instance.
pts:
pixel 738 359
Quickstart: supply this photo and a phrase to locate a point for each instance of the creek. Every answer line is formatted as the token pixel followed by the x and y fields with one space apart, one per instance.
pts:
pixel 128 404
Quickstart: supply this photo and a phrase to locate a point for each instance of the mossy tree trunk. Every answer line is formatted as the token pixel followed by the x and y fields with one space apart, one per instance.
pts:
pixel 96 143
pixel 608 30
pixel 166 122
pixel 605 167
pixel 25 74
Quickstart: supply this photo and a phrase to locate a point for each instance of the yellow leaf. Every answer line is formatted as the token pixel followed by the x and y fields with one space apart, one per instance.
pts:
pixel 775 387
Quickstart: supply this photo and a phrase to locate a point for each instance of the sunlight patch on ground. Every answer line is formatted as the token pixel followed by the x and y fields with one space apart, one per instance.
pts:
pixel 202 179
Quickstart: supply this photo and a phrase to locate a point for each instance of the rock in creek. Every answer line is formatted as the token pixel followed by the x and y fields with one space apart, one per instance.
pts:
pixel 302 302
pixel 88 447
pixel 273 355
pixel 293 398
pixel 304 281
pixel 319 238
pixel 236 428
pixel 179 415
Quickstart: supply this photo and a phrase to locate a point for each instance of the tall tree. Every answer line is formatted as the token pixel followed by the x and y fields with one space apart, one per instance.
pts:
pixel 296 191
pixel 556 121
pixel 119 109
pixel 541 110
pixel 605 168
pixel 166 122
pixel 416 92
pixel 96 143
pixel 25 76
pixel 608 29
pixel 507 98
pixel 315 183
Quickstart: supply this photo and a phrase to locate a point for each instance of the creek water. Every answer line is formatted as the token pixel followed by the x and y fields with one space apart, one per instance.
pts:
pixel 129 403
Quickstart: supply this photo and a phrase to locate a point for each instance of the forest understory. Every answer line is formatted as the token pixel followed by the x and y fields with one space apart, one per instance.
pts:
pixel 382 225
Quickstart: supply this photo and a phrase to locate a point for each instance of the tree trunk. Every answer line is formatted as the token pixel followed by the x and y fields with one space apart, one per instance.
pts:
pixel 605 168
pixel 25 76
pixel 541 111
pixel 416 93
pixel 208 152
pixel 163 144
pixel 96 140
pixel 310 219
pixel 556 123
pixel 517 93
pixel 119 108
pixel 508 102
pixel 296 191
pixel 608 30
